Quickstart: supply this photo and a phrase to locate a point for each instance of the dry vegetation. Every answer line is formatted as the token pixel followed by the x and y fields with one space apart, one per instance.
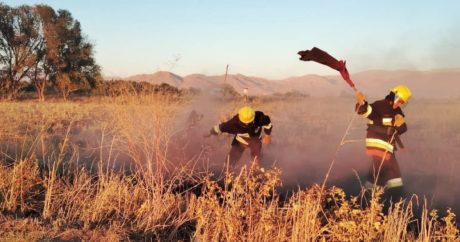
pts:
pixel 128 169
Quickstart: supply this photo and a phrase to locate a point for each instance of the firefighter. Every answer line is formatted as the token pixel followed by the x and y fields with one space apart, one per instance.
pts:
pixel 245 95
pixel 194 119
pixel 247 126
pixel 386 124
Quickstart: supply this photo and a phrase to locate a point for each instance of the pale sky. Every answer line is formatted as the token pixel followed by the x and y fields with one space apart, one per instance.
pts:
pixel 261 37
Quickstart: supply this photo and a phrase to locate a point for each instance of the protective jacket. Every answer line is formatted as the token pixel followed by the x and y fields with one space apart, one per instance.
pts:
pixel 382 134
pixel 245 133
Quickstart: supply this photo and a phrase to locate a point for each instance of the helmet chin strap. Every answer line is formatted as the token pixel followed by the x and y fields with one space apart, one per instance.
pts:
pixel 396 98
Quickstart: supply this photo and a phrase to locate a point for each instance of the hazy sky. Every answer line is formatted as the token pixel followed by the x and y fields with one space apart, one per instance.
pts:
pixel 261 38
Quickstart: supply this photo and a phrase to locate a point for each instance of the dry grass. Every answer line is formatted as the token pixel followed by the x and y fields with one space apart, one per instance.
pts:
pixel 108 170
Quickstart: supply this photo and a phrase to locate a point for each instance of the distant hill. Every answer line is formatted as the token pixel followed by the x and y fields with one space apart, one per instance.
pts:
pixel 256 85
pixel 374 83
pixel 314 85
pixel 199 81
pixel 424 84
pixel 158 78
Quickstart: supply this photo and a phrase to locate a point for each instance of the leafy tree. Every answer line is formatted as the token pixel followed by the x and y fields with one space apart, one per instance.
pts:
pixel 19 41
pixel 47 62
pixel 40 45
pixel 76 68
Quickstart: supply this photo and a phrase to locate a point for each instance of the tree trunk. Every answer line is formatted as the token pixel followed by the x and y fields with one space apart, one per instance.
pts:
pixel 40 86
pixel 41 93
pixel 65 94
pixel 13 90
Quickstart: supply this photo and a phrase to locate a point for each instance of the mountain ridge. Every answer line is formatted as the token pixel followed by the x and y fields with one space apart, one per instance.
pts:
pixel 438 83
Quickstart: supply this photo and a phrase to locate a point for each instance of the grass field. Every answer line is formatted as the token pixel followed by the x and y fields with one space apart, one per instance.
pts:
pixel 131 169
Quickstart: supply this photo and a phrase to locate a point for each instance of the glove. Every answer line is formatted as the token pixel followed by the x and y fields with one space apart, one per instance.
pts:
pixel 360 98
pixel 399 120
pixel 267 139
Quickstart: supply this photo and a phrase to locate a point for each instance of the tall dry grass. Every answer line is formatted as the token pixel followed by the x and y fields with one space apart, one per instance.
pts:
pixel 70 169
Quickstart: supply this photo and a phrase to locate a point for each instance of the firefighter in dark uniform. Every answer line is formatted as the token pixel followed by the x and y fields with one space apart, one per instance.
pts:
pixel 247 126
pixel 386 124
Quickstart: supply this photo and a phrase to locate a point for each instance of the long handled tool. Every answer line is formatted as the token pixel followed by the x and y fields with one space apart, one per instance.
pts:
pixel 322 57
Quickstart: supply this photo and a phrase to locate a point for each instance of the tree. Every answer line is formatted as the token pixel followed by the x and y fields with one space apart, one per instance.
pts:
pixel 19 42
pixel 77 68
pixel 40 45
pixel 47 54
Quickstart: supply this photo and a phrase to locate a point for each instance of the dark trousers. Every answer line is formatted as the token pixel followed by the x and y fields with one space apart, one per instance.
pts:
pixel 383 171
pixel 255 145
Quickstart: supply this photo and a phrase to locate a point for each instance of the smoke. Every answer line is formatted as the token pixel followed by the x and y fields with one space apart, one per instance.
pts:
pixel 193 125
pixel 306 141
pixel 409 52
pixel 446 49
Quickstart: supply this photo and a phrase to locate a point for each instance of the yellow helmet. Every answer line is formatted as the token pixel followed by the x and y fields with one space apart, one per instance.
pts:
pixel 246 114
pixel 402 92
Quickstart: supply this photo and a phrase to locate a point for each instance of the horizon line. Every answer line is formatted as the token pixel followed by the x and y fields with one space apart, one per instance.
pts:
pixel 275 79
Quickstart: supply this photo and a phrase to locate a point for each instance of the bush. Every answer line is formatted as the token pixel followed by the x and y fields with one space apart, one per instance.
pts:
pixel 116 88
